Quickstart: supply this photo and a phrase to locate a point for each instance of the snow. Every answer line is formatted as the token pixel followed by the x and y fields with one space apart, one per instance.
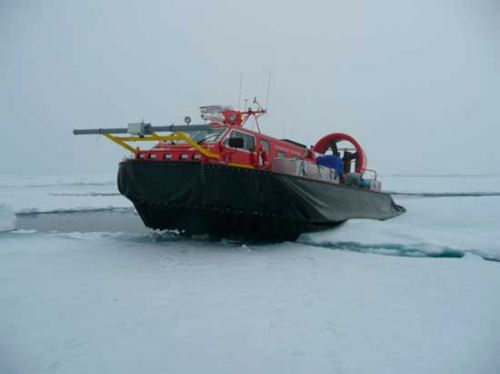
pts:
pixel 331 303
pixel 123 303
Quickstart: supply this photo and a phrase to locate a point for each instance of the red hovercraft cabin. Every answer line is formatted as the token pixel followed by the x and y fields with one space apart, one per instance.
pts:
pixel 250 149
pixel 225 180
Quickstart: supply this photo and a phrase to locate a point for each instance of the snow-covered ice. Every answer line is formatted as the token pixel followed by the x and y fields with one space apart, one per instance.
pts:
pixel 121 302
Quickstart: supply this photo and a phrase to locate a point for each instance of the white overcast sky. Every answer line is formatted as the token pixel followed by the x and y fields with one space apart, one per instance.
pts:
pixel 416 82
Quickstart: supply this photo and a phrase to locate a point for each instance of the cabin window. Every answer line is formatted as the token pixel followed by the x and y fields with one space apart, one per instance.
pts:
pixel 167 156
pixel 205 136
pixel 142 156
pixel 152 156
pixel 197 156
pixel 265 144
pixel 248 140
pixel 184 156
pixel 280 155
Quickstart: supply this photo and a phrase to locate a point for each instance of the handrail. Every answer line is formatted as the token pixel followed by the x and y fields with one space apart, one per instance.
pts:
pixel 374 172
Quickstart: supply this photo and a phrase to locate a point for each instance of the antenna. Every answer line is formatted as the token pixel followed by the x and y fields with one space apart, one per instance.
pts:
pixel 257 103
pixel 268 88
pixel 239 95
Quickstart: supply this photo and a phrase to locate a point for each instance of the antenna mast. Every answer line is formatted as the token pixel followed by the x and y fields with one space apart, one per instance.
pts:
pixel 239 95
pixel 268 88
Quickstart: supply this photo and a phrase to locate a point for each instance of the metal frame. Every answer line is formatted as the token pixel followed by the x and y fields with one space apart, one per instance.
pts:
pixel 149 135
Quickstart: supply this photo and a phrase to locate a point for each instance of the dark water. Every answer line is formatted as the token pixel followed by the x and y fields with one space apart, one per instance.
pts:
pixel 83 221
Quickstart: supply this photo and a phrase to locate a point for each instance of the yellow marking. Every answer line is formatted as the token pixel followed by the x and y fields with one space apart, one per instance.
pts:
pixel 120 142
pixel 154 135
pixel 199 148
pixel 243 166
pixel 156 138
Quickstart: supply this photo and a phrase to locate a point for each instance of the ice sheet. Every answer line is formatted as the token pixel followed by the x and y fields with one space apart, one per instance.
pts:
pixel 103 303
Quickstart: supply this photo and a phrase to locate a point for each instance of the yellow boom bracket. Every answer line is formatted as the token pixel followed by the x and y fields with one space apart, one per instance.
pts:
pixel 121 142
pixel 177 135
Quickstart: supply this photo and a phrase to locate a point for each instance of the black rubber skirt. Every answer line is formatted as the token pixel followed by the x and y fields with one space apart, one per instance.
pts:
pixel 225 201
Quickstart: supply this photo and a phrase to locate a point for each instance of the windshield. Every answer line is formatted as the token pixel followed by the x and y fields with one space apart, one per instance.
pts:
pixel 203 136
pixel 200 136
pixel 206 136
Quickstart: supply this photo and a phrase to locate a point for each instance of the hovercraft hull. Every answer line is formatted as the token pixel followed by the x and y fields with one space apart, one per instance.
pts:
pixel 234 202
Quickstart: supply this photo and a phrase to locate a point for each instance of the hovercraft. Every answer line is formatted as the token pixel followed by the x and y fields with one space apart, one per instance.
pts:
pixel 222 179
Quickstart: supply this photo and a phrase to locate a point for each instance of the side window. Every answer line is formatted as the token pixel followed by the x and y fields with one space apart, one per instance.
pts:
pixel 267 147
pixel 280 155
pixel 248 140
pixel 232 134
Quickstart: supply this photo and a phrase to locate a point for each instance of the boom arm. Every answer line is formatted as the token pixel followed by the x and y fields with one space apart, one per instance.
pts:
pixel 142 129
